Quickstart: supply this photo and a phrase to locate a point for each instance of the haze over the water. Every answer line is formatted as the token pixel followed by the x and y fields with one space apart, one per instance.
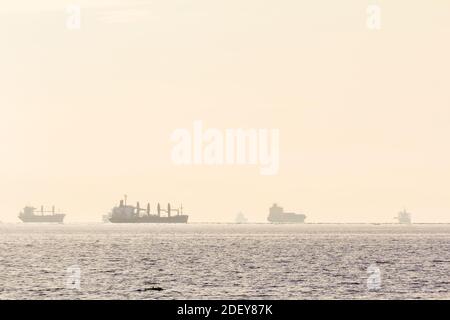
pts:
pixel 86 115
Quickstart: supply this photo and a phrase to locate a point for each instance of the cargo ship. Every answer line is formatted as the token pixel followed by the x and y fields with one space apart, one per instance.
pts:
pixel 277 215
pixel 28 215
pixel 125 213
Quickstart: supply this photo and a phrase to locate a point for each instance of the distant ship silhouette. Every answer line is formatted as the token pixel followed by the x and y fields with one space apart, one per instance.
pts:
pixel 132 214
pixel 28 215
pixel 404 217
pixel 277 215
pixel 240 218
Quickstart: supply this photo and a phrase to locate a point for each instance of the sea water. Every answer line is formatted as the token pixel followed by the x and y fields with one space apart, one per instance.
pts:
pixel 224 261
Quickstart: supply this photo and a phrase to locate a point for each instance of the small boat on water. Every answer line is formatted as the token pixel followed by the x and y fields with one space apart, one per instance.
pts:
pixel 240 218
pixel 404 217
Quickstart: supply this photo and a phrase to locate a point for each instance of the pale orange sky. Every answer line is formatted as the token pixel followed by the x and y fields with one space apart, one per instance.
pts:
pixel 364 116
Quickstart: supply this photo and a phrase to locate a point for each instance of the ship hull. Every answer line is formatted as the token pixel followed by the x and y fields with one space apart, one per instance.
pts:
pixel 298 218
pixel 151 219
pixel 54 218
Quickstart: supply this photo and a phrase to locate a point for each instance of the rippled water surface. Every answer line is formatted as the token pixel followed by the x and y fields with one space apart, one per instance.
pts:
pixel 213 261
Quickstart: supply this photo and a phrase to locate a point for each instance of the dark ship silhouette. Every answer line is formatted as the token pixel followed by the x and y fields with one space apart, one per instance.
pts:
pixel 277 215
pixel 28 215
pixel 135 214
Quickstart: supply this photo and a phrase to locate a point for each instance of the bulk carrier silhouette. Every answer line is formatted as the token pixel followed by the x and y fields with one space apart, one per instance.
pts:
pixel 135 214
pixel 28 215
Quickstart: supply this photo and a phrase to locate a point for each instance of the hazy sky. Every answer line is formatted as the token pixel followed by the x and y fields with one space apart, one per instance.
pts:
pixel 364 116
